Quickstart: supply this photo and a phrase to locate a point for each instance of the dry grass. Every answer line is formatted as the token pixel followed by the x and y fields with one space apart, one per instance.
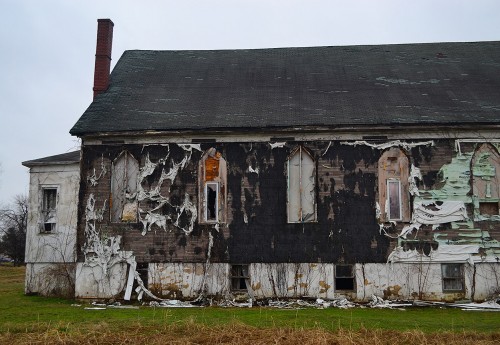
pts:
pixel 236 333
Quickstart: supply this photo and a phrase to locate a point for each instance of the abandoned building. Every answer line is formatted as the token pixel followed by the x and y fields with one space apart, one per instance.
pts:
pixel 274 173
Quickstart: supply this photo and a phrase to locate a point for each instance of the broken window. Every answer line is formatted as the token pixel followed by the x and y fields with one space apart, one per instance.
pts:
pixel 301 187
pixel 344 277
pixel 123 199
pixel 49 202
pixel 486 180
pixel 240 278
pixel 394 195
pixel 211 196
pixel 453 277
pixel 212 187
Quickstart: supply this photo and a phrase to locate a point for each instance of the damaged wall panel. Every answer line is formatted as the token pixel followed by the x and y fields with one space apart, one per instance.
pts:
pixel 249 224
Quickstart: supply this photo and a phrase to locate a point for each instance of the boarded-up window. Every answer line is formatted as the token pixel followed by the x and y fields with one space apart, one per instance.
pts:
pixel 393 186
pixel 453 277
pixel 394 199
pixel 49 203
pixel 212 188
pixel 486 180
pixel 123 199
pixel 301 187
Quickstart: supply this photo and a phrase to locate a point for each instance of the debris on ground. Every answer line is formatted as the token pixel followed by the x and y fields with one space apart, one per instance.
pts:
pixel 379 302
pixel 171 303
pixel 490 305
pixel 319 303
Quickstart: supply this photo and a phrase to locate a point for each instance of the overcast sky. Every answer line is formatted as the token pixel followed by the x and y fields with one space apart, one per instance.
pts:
pixel 48 47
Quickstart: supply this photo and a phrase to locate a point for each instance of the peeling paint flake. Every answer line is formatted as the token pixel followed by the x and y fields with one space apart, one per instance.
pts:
pixel 277 145
pixel 395 143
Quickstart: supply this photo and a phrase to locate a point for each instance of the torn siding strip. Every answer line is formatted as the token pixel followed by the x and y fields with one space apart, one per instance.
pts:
pixel 394 143
pixel 93 179
pixel 280 144
pixel 415 175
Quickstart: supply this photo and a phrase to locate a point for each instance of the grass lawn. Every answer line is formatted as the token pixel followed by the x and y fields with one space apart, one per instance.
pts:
pixel 34 319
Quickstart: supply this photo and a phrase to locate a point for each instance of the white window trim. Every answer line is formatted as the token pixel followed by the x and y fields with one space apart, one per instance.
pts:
pixel 388 196
pixel 216 220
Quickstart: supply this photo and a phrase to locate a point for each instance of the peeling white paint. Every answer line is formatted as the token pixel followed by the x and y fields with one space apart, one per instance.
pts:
pixel 415 175
pixel 430 213
pixel 154 217
pixel 444 253
pixel 394 143
pixel 277 145
pixel 93 179
pixel 189 208
pixel 326 150
pixel 252 170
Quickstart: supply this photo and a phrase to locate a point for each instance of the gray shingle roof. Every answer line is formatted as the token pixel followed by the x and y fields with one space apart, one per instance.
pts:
pixel 65 158
pixel 434 83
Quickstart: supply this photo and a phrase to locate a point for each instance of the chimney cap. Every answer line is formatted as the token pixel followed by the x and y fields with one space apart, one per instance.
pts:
pixel 105 20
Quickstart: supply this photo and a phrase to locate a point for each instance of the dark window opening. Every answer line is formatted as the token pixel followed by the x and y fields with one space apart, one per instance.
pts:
pixel 453 277
pixel 240 278
pixel 344 277
pixel 488 208
pixel 211 197
pixel 49 227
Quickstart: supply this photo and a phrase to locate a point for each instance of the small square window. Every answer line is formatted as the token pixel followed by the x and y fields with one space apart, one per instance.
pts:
pixel 453 277
pixel 344 277
pixel 240 277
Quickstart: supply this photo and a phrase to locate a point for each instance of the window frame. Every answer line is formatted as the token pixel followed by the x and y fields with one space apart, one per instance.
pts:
pixel 206 177
pixel 300 150
pixel 394 164
pixel 389 197
pixel 45 211
pixel 460 278
pixel 345 278
pixel 217 196
pixel 239 277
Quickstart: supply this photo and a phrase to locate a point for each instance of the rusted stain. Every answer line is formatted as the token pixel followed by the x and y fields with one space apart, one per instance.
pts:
pixel 256 286
pixel 129 212
pixel 211 168
pixel 392 291
pixel 324 285
pixel 199 271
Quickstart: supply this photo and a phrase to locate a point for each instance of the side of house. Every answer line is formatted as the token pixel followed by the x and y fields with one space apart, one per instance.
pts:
pixel 402 218
pixel 52 219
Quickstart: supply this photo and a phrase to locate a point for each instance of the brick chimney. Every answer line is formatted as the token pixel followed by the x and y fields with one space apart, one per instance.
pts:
pixel 103 55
